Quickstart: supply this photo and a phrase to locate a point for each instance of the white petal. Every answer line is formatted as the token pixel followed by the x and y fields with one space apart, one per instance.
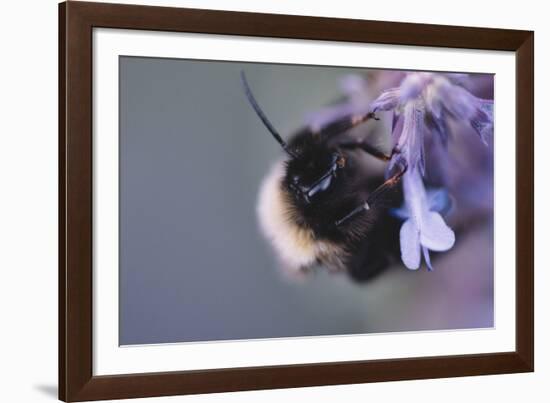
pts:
pixel 409 238
pixel 415 194
pixel 426 254
pixel 435 234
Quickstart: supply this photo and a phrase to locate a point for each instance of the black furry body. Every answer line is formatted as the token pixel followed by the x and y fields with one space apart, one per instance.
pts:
pixel 364 245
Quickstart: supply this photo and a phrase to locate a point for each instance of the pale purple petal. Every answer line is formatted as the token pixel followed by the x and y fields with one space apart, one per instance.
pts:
pixel 415 195
pixel 411 139
pixel 409 238
pixel 482 122
pixel 432 99
pixel 426 254
pixel 397 131
pixel 422 160
pixel 387 101
pixel 413 85
pixel 397 127
pixel 435 234
pixel 438 127
pixel 457 78
pixel 460 103
pixel 416 146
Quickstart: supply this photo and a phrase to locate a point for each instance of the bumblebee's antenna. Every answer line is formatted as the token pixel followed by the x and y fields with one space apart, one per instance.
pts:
pixel 262 116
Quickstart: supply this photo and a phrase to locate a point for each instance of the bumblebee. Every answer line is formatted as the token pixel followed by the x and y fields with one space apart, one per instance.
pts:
pixel 318 207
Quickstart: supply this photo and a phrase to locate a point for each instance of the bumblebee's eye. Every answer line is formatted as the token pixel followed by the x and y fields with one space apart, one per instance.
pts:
pixel 295 179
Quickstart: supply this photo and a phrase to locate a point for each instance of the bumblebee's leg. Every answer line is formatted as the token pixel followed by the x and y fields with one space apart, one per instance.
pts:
pixel 360 144
pixel 378 192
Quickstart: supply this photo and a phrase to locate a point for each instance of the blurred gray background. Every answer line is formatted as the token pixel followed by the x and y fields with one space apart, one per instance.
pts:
pixel 193 264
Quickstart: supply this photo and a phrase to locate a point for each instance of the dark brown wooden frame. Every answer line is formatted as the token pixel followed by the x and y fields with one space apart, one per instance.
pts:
pixel 76 22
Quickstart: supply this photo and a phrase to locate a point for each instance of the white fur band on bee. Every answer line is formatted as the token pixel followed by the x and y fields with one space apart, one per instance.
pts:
pixel 296 246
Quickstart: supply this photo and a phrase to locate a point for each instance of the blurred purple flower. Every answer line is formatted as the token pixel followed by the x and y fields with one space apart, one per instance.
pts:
pixel 355 89
pixel 422 106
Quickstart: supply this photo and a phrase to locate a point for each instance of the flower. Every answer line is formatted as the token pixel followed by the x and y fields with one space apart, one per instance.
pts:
pixel 439 97
pixel 422 105
pixel 424 228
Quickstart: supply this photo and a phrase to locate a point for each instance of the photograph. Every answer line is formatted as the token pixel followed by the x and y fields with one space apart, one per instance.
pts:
pixel 216 202
pixel 265 200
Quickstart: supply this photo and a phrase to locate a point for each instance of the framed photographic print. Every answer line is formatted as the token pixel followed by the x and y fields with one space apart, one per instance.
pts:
pixel 253 201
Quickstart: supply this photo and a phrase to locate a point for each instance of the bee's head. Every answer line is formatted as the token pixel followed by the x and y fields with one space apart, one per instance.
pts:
pixel 312 167
pixel 313 172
